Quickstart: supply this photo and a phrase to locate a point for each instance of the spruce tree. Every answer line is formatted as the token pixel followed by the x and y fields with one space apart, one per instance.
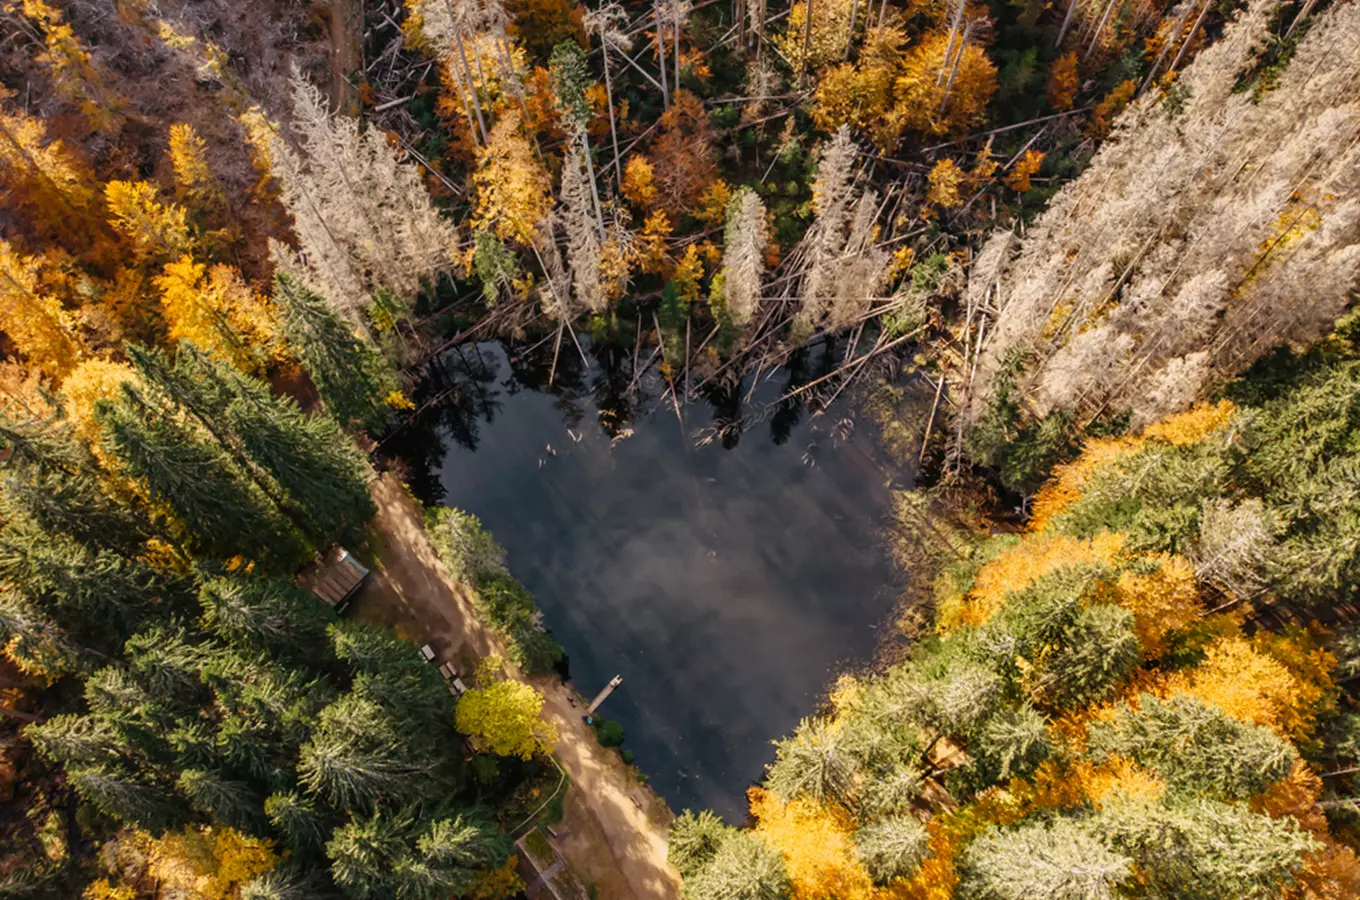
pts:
pixel 1058 860
pixel 228 802
pixel 460 848
pixel 297 821
pixel 267 614
pixel 305 464
pixel 357 757
pixel 1194 746
pixel 743 868
pixel 694 840
pixel 352 379
pixel 127 798
pixel 318 467
pixel 892 847
pixel 812 763
pixel 1206 849
pixel 220 510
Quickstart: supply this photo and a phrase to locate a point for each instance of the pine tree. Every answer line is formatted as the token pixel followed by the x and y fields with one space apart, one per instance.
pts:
pixel 101 594
pixel 355 383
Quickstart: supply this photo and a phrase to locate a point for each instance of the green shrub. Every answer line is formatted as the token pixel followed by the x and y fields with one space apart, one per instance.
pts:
pixel 508 608
pixel 501 602
pixel 467 548
pixel 610 733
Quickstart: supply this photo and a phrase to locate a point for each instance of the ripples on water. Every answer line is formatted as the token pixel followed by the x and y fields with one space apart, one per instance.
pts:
pixel 727 574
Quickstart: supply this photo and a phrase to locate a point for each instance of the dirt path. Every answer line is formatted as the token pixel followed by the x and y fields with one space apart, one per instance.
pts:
pixel 614 830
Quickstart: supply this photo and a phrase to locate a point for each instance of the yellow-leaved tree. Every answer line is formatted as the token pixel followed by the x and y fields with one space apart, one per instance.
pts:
pixel 33 319
pixel 945 85
pixel 156 231
pixel 817 844
pixel 514 190
pixel 216 310
pixel 194 180
pixel 502 716
pixel 207 863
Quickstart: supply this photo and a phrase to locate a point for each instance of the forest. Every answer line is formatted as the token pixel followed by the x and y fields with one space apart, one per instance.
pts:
pixel 1087 266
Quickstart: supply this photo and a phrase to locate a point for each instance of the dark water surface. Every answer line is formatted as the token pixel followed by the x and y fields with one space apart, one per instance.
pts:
pixel 727 586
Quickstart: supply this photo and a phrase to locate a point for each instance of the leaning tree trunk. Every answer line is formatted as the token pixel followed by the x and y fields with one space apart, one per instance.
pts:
pixel 609 98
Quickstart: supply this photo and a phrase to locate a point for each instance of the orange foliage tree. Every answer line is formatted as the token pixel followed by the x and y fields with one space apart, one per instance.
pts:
pixel 1063 82
pixel 683 158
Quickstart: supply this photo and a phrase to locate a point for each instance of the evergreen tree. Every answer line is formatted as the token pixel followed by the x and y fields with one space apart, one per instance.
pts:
pixel 221 511
pixel 228 802
pixel 297 820
pixel 1206 849
pixel 365 857
pixel 126 798
pixel 694 840
pixel 74 740
pixel 892 847
pixel 1194 746
pixel 1058 860
pixel 743 868
pixel 812 763
pixel 357 757
pixel 1012 742
pixel 353 380
pixel 267 614
pixel 311 459
pixel 101 594
pixel 304 464
pixel 1097 649
pixel 461 847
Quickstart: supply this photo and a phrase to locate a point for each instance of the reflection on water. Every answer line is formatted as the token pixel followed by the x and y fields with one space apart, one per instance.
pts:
pixel 726 568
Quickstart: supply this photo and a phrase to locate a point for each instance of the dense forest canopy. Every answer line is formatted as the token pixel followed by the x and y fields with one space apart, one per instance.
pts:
pixel 1116 238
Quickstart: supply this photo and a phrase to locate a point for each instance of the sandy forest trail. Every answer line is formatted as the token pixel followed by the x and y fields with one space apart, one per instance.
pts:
pixel 614 830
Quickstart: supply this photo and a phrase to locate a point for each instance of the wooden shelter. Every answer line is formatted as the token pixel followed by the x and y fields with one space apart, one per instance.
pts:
pixel 335 579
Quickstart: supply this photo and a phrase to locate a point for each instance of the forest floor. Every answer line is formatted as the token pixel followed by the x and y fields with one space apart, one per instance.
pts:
pixel 613 833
